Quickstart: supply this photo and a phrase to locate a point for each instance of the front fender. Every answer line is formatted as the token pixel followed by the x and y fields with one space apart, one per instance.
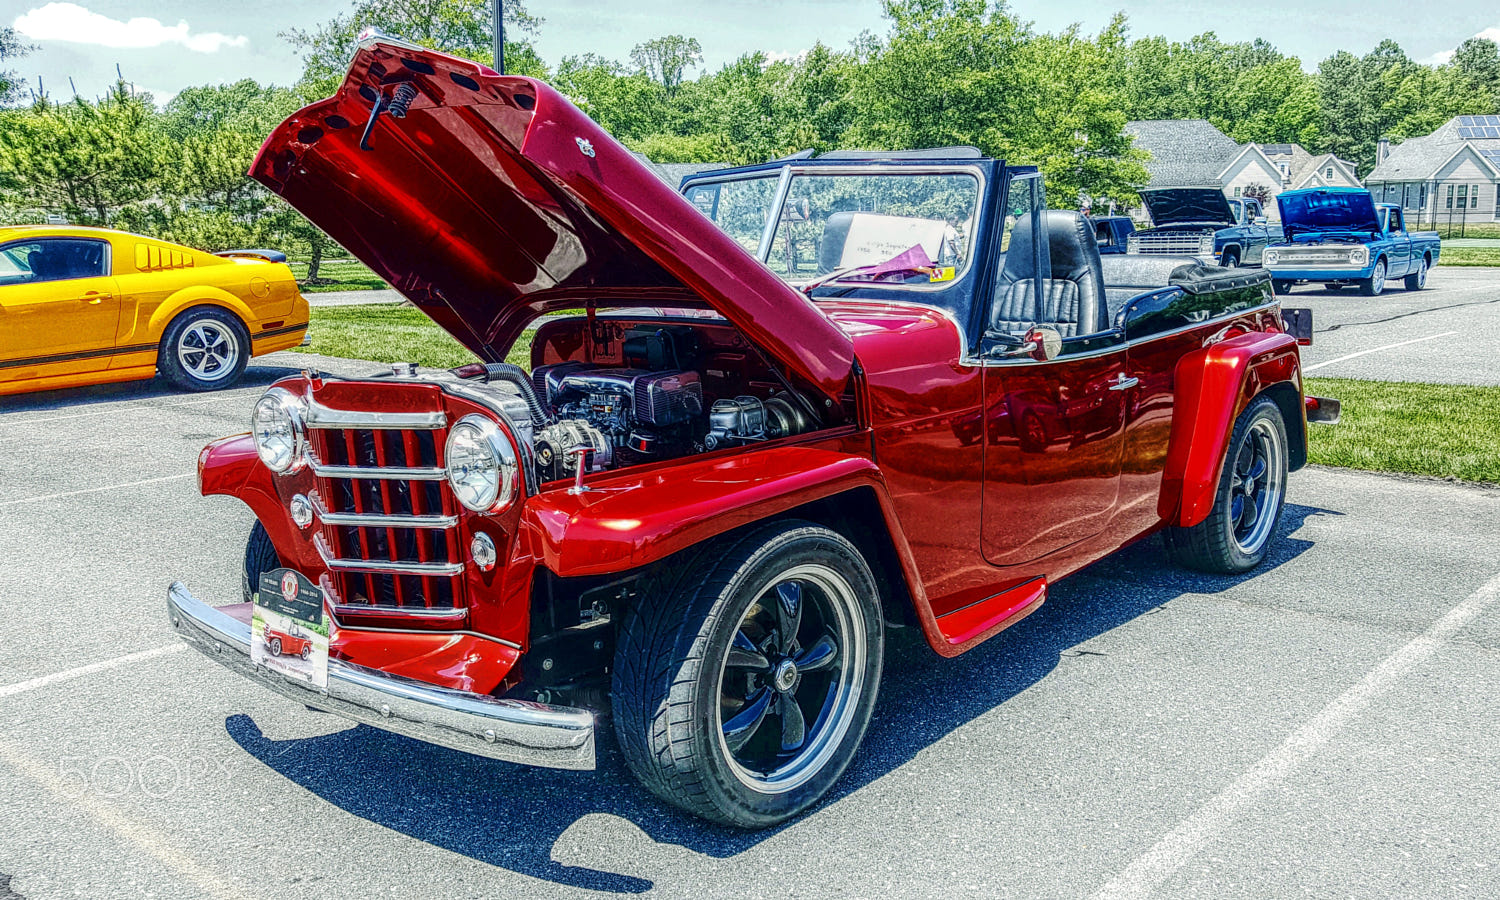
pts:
pixel 1214 385
pixel 630 520
pixel 200 295
pixel 230 467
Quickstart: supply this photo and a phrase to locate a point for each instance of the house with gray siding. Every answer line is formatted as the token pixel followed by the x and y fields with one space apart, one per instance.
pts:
pixel 1451 176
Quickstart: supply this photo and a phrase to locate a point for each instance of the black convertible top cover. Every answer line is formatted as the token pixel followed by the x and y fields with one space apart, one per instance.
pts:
pixel 1197 278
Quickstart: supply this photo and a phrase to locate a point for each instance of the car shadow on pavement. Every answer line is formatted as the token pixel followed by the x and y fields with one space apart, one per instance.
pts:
pixel 512 816
pixel 155 388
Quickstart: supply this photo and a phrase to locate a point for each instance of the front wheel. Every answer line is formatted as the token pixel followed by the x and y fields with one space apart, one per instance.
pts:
pixel 1375 284
pixel 1418 279
pixel 1231 259
pixel 204 349
pixel 1281 286
pixel 744 680
pixel 1251 494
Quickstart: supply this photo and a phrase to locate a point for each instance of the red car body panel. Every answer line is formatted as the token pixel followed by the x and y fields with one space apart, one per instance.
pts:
pixel 489 205
pixel 291 645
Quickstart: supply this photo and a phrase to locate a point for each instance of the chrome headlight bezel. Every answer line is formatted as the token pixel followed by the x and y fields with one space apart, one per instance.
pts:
pixel 288 412
pixel 1206 244
pixel 491 456
pixel 1272 257
pixel 1359 256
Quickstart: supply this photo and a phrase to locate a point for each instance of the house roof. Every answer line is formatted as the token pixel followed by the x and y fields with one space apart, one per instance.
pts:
pixel 1420 158
pixel 1184 152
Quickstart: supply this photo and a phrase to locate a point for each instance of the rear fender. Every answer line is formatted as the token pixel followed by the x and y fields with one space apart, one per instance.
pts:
pixel 202 295
pixel 1213 386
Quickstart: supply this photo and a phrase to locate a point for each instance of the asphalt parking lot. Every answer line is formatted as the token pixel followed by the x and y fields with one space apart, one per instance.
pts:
pixel 1323 728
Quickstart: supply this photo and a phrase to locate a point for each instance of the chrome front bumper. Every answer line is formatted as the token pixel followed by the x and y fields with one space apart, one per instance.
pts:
pixel 558 737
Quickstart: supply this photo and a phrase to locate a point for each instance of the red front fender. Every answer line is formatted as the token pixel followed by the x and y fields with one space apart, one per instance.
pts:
pixel 1213 386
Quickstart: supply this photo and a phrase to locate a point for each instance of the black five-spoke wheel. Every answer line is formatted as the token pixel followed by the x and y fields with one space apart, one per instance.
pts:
pixel 746 676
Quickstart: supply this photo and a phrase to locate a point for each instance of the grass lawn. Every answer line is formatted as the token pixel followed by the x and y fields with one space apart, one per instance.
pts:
pixel 1469 256
pixel 1419 429
pixel 339 275
pixel 1447 431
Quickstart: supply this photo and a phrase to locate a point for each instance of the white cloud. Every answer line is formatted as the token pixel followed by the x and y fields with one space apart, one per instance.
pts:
pixel 1442 57
pixel 71 22
pixel 794 57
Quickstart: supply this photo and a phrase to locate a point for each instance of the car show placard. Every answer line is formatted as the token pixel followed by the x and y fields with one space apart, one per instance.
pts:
pixel 288 633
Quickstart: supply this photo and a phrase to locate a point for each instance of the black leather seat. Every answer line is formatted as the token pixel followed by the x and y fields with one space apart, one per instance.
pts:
pixel 1073 298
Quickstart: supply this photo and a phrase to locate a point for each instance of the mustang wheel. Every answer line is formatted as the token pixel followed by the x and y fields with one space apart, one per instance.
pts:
pixel 744 680
pixel 1375 284
pixel 204 349
pixel 1251 494
pixel 1418 279
pixel 275 646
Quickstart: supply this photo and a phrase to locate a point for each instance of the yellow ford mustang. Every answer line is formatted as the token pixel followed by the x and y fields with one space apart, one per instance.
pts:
pixel 89 305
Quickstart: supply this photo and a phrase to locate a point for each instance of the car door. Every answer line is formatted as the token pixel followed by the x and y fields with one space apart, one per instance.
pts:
pixel 1400 257
pixel 1053 430
pixel 1260 235
pixel 59 308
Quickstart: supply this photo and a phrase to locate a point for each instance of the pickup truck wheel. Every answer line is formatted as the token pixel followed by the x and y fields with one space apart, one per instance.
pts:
pixel 1247 508
pixel 1231 259
pixel 1375 284
pixel 260 556
pixel 744 681
pixel 204 349
pixel 1281 286
pixel 1418 279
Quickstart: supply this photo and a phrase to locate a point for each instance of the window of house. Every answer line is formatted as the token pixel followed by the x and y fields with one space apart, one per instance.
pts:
pixel 1328 172
pixel 1236 192
pixel 1474 198
pixel 1422 197
pixel 1463 196
pixel 1450 196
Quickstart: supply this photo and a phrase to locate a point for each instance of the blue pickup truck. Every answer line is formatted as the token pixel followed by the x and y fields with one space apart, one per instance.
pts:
pixel 1202 222
pixel 1340 236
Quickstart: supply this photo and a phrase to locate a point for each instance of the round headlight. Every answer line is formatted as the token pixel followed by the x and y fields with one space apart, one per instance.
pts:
pixel 1359 256
pixel 279 429
pixel 482 467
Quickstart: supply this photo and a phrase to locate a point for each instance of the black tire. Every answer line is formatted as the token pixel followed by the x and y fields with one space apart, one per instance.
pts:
pixel 1224 542
pixel 260 556
pixel 1281 286
pixel 1418 279
pixel 1230 259
pixel 306 651
pixel 275 646
pixel 204 349
pixel 1374 286
pixel 675 680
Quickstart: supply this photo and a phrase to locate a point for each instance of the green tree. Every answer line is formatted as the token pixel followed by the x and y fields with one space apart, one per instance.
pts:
pixel 460 27
pixel 1476 73
pixel 666 59
pixel 11 48
pixel 1360 100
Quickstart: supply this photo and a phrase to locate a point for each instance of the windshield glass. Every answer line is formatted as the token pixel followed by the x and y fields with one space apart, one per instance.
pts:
pixel 890 228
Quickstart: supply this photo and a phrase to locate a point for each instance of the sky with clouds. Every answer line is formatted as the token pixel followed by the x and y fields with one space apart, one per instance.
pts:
pixel 165 45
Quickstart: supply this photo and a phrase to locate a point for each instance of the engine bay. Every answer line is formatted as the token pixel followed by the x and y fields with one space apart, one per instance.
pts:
pixel 645 392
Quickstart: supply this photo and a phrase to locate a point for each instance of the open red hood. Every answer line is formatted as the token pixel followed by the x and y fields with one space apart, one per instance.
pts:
pixel 489 199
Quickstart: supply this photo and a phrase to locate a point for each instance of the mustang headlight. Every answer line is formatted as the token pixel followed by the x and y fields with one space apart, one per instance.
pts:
pixel 1359 256
pixel 482 466
pixel 1272 257
pixel 278 424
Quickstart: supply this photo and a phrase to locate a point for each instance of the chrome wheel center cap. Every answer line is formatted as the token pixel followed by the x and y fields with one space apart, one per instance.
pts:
pixel 785 675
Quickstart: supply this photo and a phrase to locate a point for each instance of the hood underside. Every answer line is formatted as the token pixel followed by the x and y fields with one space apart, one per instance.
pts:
pixel 488 200
pixel 1173 206
pixel 1324 209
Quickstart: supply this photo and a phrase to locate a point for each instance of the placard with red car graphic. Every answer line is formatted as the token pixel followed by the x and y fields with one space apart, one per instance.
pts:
pixel 288 634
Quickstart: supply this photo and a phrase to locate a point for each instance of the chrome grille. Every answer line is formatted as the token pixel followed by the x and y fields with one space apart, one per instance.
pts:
pixel 388 524
pixel 1333 256
pixel 1173 243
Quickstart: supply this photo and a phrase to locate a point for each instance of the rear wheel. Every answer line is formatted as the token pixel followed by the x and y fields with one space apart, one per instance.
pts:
pixel 1375 284
pixel 743 683
pixel 275 646
pixel 1418 279
pixel 1251 494
pixel 204 349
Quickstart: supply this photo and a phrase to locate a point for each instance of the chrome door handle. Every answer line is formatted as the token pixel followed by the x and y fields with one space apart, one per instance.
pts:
pixel 1124 382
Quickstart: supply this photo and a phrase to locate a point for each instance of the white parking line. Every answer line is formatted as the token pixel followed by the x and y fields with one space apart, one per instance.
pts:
pixel 95 490
pixel 1430 337
pixel 117 410
pixel 1156 865
pixel 21 687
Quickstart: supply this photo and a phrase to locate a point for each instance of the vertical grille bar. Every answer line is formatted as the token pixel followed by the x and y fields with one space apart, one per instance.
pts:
pixel 419 507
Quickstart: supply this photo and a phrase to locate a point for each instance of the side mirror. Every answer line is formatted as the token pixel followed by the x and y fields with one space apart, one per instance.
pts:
pixel 1043 342
pixel 1259 220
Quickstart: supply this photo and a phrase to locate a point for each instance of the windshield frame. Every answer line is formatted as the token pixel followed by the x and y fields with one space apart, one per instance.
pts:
pixel 788 172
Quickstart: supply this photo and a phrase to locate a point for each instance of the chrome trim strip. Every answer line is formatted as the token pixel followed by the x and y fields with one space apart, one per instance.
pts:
pixel 519 731
pixel 404 612
pixel 373 520
pixel 389 473
pixel 381 566
pixel 768 234
pixel 319 416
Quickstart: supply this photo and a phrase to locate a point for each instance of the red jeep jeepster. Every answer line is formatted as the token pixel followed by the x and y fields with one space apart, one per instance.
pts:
pixel 794 403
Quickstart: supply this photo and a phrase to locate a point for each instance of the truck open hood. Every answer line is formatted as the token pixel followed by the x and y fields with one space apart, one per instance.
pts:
pixel 1327 209
pixel 1181 206
pixel 488 200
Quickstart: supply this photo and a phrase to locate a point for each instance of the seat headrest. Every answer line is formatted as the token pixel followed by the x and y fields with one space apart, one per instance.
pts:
pixel 1072 244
